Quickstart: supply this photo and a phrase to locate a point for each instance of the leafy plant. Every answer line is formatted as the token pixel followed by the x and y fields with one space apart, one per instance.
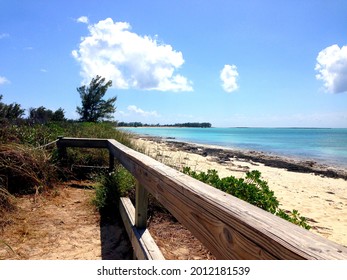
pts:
pixel 113 186
pixel 252 189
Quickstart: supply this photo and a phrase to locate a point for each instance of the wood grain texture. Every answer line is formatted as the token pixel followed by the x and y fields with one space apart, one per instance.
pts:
pixel 141 205
pixel 144 246
pixel 229 227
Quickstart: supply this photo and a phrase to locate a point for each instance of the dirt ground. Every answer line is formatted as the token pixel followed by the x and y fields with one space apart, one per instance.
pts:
pixel 63 224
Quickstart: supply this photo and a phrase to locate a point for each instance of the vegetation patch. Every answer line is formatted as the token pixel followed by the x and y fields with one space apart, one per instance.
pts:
pixel 252 189
pixel 113 186
pixel 24 169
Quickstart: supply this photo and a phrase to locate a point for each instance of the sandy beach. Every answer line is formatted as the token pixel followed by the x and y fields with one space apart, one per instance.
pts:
pixel 317 191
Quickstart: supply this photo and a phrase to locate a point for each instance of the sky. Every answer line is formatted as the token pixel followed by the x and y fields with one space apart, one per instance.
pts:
pixel 269 63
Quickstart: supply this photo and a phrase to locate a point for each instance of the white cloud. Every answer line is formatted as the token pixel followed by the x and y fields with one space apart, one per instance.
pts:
pixel 4 35
pixel 131 61
pixel 229 77
pixel 83 19
pixel 139 111
pixel 332 68
pixel 4 80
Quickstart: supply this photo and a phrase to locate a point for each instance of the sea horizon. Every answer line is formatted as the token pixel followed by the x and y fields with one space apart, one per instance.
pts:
pixel 323 145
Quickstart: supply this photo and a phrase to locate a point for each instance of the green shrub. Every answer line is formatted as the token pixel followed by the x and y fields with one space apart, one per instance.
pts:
pixel 113 186
pixel 252 189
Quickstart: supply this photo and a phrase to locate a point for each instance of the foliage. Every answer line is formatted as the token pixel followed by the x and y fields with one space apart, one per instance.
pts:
pixel 37 134
pixel 11 112
pixel 140 124
pixel 293 217
pixel 251 189
pixel 20 151
pixel 94 108
pixel 113 186
pixel 41 115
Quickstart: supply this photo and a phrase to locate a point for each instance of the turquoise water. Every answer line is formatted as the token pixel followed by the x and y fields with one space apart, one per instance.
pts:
pixel 327 146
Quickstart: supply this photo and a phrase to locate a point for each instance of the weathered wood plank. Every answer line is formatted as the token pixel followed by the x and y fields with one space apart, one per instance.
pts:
pixel 229 227
pixel 111 162
pixel 83 142
pixel 143 244
pixel 141 205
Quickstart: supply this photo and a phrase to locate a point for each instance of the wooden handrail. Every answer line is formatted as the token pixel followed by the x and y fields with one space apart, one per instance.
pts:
pixel 229 227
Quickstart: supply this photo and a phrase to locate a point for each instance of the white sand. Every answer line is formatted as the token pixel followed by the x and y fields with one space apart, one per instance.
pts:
pixel 323 200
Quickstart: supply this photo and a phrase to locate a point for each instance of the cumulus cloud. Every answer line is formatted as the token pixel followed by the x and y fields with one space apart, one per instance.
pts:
pixel 332 68
pixel 139 111
pixel 229 77
pixel 111 50
pixel 4 80
pixel 83 19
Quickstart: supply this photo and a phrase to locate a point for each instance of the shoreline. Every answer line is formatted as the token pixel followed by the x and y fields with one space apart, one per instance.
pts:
pixel 224 154
pixel 317 191
pixel 333 158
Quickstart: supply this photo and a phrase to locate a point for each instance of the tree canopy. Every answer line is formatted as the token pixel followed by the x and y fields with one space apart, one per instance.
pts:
pixel 94 108
pixel 11 111
pixel 42 115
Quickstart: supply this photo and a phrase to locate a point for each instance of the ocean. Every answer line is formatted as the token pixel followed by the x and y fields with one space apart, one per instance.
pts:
pixel 324 145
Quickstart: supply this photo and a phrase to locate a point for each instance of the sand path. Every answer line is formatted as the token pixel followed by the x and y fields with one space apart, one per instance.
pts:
pixel 63 225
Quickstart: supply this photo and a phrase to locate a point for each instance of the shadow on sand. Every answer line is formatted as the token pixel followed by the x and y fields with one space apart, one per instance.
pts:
pixel 115 244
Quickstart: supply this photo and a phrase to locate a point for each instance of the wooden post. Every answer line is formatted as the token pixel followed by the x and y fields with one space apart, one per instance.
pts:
pixel 62 153
pixel 111 162
pixel 141 205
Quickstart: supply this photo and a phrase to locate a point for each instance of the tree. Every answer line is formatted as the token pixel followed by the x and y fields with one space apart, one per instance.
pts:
pixel 42 115
pixel 59 115
pixel 11 112
pixel 94 107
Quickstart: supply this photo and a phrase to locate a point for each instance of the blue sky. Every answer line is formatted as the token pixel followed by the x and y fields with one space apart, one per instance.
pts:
pixel 232 63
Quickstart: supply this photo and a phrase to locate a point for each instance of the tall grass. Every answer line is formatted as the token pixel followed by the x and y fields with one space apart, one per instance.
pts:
pixel 7 204
pixel 38 134
pixel 25 167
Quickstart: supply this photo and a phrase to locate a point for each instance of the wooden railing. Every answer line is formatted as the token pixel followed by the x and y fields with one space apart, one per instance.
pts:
pixel 229 227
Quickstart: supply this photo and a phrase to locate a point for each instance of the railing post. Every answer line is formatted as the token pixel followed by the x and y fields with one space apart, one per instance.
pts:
pixel 141 205
pixel 111 162
pixel 62 153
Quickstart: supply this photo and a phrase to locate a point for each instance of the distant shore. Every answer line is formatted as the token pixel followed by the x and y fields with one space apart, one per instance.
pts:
pixel 317 191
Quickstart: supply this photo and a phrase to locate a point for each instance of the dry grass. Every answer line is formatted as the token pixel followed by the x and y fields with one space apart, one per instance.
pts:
pixel 23 169
pixel 7 206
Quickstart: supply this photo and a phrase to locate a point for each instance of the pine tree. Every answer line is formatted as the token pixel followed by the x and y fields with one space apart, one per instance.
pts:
pixel 94 107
